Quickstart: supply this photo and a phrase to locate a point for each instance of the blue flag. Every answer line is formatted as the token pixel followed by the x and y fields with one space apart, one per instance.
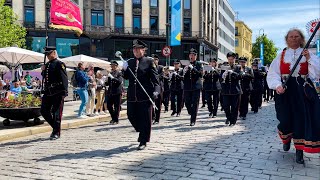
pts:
pixel 175 36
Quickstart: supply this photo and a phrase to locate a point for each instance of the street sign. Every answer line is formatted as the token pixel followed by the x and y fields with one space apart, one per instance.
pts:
pixel 166 51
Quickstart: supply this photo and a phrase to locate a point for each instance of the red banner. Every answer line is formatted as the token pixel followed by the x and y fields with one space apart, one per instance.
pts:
pixel 65 14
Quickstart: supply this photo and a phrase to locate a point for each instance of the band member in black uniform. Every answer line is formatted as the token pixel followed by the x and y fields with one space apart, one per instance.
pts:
pixel 212 86
pixel 203 98
pixel 246 86
pixel 257 84
pixel 176 89
pixel 166 88
pixel 192 85
pixel 139 106
pixel 114 92
pixel 158 100
pixel 55 90
pixel 231 90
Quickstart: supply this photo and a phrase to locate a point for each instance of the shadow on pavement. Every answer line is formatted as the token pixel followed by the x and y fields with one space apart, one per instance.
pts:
pixel 29 142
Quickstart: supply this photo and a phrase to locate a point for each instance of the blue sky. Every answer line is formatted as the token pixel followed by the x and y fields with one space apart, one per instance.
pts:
pixel 276 17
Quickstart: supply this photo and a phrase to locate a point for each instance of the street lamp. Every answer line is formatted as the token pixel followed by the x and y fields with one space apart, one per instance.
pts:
pixel 261 47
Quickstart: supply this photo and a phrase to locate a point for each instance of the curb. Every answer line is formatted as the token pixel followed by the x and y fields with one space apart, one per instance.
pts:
pixel 28 131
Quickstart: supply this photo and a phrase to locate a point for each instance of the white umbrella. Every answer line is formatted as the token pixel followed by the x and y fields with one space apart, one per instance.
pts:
pixel 39 70
pixel 4 69
pixel 16 56
pixel 74 60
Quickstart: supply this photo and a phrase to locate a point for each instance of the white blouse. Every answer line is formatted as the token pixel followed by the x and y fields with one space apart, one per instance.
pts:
pixel 291 56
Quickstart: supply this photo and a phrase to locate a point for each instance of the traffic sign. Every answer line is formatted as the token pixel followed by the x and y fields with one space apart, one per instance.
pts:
pixel 166 51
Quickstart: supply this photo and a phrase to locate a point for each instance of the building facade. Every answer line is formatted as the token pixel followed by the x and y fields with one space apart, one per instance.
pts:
pixel 243 40
pixel 226 29
pixel 111 25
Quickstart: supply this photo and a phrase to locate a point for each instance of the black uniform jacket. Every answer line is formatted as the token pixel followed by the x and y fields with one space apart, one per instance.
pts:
pixel 192 77
pixel 246 78
pixel 257 81
pixel 147 74
pixel 231 84
pixel 55 78
pixel 160 76
pixel 177 80
pixel 211 81
pixel 115 84
pixel 166 83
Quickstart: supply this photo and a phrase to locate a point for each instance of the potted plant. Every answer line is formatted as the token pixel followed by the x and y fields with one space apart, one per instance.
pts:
pixel 22 107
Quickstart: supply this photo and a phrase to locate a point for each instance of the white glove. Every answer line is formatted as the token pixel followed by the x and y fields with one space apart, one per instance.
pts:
pixel 125 65
pixel 230 71
pixel 185 69
pixel 212 68
pixel 190 66
pixel 155 95
pixel 175 73
pixel 110 76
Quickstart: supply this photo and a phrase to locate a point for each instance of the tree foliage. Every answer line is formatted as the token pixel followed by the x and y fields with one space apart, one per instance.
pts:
pixel 270 51
pixel 11 32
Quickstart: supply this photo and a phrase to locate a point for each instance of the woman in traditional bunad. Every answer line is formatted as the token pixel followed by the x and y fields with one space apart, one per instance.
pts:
pixel 297 104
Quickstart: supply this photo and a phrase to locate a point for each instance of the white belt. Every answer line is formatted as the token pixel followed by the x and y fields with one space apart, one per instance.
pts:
pixel 285 76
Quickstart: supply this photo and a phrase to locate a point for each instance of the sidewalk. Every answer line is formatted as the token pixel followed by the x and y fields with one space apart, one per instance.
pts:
pixel 19 128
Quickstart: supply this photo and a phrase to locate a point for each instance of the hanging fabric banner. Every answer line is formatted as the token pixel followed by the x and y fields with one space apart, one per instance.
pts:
pixel 175 37
pixel 65 14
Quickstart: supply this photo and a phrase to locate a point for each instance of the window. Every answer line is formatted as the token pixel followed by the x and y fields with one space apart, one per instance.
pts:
pixel 96 48
pixel 154 3
pixel 236 31
pixel 97 18
pixel 8 3
pixel 136 3
pixel 67 47
pixel 136 24
pixel 186 4
pixel 237 42
pixel 29 16
pixel 38 44
pixel 186 26
pixel 119 1
pixel 153 25
pixel 119 22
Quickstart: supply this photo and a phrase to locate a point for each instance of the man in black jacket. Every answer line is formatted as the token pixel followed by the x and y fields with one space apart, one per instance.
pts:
pixel 158 100
pixel 246 86
pixel 212 87
pixel 257 83
pixel 114 92
pixel 139 106
pixel 231 90
pixel 176 89
pixel 166 88
pixel 55 90
pixel 192 85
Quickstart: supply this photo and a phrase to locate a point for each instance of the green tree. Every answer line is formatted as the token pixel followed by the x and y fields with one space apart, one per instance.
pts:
pixel 11 32
pixel 270 51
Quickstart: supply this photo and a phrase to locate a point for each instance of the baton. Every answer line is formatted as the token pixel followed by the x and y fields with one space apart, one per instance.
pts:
pixel 119 55
pixel 284 85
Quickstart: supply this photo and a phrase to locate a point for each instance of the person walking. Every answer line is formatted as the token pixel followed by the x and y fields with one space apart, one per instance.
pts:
pixel 158 101
pixel 100 92
pixel 257 84
pixel 92 85
pixel 82 80
pixel 54 91
pixel 166 88
pixel 176 89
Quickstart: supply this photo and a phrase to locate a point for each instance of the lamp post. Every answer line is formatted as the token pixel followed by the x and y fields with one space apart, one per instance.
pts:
pixel 261 47
pixel 168 30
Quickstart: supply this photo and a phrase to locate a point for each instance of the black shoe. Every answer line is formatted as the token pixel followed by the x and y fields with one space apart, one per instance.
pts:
pixel 203 106
pixel 286 147
pixel 178 114
pixel 211 114
pixel 155 122
pixel 114 122
pixel 142 146
pixel 214 116
pixel 173 113
pixel 227 121
pixel 244 118
pixel 232 124
pixel 299 157
pixel 54 136
pixel 192 124
pixel 255 112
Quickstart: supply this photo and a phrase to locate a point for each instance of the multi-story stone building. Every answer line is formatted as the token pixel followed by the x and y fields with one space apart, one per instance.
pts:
pixel 111 25
pixel 226 26
pixel 243 41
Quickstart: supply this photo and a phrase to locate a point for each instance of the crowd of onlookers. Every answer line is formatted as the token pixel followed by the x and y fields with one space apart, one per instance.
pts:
pixel 22 85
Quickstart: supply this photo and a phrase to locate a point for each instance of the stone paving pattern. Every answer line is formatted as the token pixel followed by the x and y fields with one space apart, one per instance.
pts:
pixel 209 150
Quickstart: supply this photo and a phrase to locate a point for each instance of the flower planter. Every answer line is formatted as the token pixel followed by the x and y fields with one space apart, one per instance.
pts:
pixel 23 114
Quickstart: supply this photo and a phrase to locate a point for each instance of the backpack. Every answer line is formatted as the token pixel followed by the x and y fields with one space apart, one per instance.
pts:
pixel 74 82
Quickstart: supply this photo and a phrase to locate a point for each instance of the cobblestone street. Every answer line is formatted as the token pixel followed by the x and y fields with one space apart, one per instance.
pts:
pixel 209 150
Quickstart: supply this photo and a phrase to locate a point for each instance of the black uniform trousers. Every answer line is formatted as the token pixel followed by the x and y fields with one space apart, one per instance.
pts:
pixel 165 100
pixel 191 99
pixel 176 105
pixel 156 112
pixel 113 105
pixel 140 115
pixel 51 111
pixel 212 98
pixel 231 107
pixel 256 100
pixel 244 103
